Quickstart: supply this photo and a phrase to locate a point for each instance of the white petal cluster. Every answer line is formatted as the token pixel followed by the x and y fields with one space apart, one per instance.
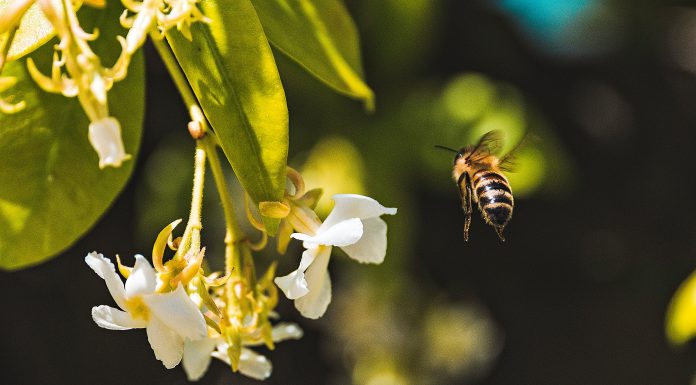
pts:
pixel 158 16
pixel 171 319
pixel 197 354
pixel 77 71
pixel 355 226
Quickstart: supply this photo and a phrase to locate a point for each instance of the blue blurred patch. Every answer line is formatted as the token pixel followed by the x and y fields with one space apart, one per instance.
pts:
pixel 551 22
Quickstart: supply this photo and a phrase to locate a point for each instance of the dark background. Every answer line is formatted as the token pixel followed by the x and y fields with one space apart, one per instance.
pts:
pixel 578 293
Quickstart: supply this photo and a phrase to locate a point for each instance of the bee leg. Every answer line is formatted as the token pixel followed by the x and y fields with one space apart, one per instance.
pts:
pixel 468 211
pixel 465 194
pixel 499 231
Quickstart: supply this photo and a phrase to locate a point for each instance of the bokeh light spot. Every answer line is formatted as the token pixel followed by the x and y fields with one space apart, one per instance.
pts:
pixel 336 166
pixel 467 96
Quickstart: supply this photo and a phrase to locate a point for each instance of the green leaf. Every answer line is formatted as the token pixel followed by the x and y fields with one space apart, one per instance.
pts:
pixel 34 31
pixel 230 67
pixel 680 324
pixel 321 37
pixel 51 188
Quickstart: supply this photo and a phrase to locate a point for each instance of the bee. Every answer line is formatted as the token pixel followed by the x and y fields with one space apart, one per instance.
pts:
pixel 479 177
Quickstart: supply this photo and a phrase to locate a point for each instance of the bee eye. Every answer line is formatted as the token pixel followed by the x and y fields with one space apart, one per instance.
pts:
pixel 458 156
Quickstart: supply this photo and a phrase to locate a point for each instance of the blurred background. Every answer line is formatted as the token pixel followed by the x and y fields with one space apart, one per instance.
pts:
pixel 601 237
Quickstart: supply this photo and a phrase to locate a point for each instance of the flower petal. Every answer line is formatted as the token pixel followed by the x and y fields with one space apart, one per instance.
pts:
pixel 105 137
pixel 143 279
pixel 176 310
pixel 254 365
pixel 372 247
pixel 294 284
pixel 221 353
pixel 313 304
pixel 286 331
pixel 343 233
pixel 114 319
pixel 166 344
pixel 105 269
pixel 197 357
pixel 251 364
pixel 281 332
pixel 354 206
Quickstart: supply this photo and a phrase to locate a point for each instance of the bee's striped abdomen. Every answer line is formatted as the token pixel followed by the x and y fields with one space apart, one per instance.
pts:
pixel 494 197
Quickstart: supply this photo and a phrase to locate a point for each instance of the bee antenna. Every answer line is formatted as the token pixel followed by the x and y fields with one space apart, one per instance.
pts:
pixel 446 148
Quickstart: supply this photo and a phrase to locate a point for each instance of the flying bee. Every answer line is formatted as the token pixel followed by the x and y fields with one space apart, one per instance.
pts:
pixel 479 177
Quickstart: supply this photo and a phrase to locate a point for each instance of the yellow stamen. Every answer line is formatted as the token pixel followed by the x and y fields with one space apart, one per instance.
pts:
pixel 123 269
pixel 160 242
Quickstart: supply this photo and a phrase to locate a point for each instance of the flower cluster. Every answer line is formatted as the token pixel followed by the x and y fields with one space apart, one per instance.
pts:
pixel 158 16
pixel 171 318
pixel 354 225
pixel 191 317
pixel 78 72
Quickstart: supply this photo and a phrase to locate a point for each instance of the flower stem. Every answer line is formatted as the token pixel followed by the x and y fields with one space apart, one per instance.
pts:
pixel 180 81
pixel 233 234
pixel 191 239
pixel 236 251
pixel 208 142
pixel 192 234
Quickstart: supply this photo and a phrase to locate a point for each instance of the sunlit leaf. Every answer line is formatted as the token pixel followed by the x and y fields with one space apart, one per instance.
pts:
pixel 51 188
pixel 34 31
pixel 681 316
pixel 321 37
pixel 231 69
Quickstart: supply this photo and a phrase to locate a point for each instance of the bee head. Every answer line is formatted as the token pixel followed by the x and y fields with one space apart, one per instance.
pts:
pixel 463 153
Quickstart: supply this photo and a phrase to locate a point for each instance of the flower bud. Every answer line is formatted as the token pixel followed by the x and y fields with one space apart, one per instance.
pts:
pixel 105 137
pixel 273 209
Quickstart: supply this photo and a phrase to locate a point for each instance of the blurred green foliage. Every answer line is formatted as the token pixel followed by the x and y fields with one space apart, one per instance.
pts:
pixel 320 36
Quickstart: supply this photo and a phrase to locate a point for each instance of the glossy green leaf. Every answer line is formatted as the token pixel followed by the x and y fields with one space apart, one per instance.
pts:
pixel 51 188
pixel 34 31
pixel 321 37
pixel 230 67
pixel 680 322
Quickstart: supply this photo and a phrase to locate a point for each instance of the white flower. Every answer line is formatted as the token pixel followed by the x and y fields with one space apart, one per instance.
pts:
pixel 105 137
pixel 170 318
pixel 197 354
pixel 355 226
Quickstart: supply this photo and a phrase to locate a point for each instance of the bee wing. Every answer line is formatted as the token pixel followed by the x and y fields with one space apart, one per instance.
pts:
pixel 509 161
pixel 490 143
